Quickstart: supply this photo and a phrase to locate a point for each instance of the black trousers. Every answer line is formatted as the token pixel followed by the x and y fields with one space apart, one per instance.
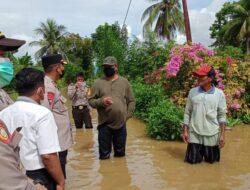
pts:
pixel 63 161
pixel 108 137
pixel 81 116
pixel 196 153
pixel 43 177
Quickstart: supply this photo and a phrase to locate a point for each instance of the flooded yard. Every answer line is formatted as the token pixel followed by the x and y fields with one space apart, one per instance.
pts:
pixel 157 165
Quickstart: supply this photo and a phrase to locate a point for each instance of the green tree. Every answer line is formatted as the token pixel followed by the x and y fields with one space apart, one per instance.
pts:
pixel 71 71
pixel 165 18
pixel 109 40
pixel 232 25
pixel 24 61
pixel 79 52
pixel 217 30
pixel 144 57
pixel 51 41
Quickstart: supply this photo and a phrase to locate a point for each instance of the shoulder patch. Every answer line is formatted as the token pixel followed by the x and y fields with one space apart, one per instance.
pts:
pixel 51 97
pixel 4 137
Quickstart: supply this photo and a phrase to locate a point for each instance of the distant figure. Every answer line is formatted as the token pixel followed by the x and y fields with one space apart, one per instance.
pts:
pixel 204 119
pixel 54 70
pixel 39 145
pixel 78 93
pixel 6 67
pixel 113 97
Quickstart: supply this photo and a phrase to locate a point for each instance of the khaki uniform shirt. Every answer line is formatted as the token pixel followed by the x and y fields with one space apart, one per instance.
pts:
pixel 54 101
pixel 11 176
pixel 78 96
pixel 5 100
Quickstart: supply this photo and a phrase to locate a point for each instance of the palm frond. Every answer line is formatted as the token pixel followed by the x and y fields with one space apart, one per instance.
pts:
pixel 147 12
pixel 152 17
pixel 232 28
pixel 239 10
pixel 242 33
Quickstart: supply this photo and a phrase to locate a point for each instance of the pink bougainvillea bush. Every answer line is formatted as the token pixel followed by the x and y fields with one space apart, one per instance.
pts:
pixel 232 76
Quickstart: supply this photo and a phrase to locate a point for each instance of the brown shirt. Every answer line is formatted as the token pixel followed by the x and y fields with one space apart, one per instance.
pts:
pixel 54 101
pixel 5 100
pixel 11 176
pixel 123 99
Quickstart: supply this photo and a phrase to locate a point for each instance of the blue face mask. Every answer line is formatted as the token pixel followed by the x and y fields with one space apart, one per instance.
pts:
pixel 6 72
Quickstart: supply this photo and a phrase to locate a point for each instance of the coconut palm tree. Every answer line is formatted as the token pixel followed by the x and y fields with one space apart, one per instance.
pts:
pixel 165 18
pixel 52 35
pixel 239 24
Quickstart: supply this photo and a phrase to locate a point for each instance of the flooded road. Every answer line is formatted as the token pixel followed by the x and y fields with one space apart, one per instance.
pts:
pixel 156 165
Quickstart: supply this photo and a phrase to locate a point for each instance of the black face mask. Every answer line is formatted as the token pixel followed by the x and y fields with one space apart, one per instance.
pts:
pixel 109 71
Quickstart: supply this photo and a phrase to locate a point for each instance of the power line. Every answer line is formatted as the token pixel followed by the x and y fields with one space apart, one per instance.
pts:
pixel 126 13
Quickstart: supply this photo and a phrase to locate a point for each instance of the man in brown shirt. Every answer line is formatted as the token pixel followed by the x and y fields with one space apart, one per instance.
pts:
pixel 54 100
pixel 113 97
pixel 78 93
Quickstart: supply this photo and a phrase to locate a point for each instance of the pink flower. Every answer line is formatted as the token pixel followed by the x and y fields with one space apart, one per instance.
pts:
pixel 210 53
pixel 235 106
pixel 192 55
pixel 199 60
pixel 174 66
pixel 237 94
pixel 221 86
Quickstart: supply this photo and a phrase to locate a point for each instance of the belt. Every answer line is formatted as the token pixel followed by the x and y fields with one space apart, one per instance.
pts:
pixel 81 107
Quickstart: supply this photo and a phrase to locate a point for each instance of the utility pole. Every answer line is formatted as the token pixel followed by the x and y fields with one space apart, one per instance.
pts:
pixel 187 22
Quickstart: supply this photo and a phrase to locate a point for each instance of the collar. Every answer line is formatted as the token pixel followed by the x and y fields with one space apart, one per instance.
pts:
pixel 26 99
pixel 115 79
pixel 50 79
pixel 211 91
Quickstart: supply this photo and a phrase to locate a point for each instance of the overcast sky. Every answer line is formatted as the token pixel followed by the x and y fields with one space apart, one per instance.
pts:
pixel 19 18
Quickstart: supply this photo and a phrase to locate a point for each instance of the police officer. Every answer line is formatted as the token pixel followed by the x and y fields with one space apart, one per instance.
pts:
pixel 78 93
pixel 11 176
pixel 6 67
pixel 54 100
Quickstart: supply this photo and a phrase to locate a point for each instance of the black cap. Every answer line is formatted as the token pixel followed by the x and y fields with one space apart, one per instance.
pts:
pixel 51 59
pixel 9 44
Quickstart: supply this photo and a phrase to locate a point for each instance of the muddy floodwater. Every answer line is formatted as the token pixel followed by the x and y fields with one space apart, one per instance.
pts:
pixel 157 165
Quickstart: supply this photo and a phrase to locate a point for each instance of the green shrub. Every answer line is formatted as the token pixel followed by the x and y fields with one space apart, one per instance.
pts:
pixel 231 51
pixel 246 119
pixel 231 122
pixel 146 96
pixel 164 121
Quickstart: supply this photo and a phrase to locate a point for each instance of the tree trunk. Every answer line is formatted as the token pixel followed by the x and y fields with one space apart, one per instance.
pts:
pixel 187 22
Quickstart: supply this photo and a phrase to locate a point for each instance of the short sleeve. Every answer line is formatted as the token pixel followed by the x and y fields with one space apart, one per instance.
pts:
pixel 47 138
